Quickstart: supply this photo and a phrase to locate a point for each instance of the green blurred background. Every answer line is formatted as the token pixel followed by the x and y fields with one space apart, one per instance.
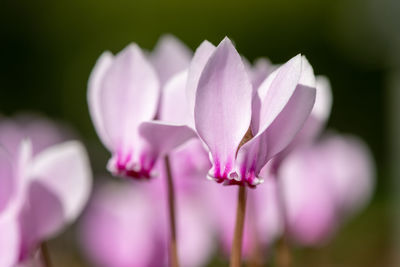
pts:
pixel 47 50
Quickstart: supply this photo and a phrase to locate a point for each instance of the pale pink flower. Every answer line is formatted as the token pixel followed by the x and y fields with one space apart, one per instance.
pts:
pixel 123 97
pixel 127 224
pixel 42 194
pixel 227 106
pixel 324 183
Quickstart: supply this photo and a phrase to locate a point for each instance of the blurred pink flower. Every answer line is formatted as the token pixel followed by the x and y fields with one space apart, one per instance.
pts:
pixel 41 194
pixel 118 228
pixel 127 224
pixel 123 97
pixel 227 107
pixel 41 131
pixel 324 183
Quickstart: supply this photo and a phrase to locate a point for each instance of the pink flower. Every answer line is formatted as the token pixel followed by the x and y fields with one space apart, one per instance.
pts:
pixel 42 194
pixel 42 132
pixel 127 224
pixel 119 229
pixel 227 107
pixel 324 183
pixel 123 97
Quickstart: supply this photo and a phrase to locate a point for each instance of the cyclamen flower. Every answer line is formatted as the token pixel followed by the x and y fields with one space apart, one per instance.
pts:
pixel 123 96
pixel 244 127
pixel 323 184
pixel 40 195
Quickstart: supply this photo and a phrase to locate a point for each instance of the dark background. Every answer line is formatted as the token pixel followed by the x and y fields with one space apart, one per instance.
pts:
pixel 48 48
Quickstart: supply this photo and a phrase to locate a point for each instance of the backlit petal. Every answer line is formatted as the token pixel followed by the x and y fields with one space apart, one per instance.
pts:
pixel 169 57
pixel 200 58
pixel 164 137
pixel 129 95
pixel 223 106
pixel 61 181
pixel 94 96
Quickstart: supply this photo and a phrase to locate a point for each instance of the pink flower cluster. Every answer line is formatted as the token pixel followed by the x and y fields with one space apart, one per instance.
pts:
pixel 214 115
pixel 45 183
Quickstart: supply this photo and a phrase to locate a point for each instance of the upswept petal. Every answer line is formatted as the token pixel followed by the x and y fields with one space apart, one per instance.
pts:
pixel 200 58
pixel 223 106
pixel 129 95
pixel 94 96
pixel 307 73
pixel 319 114
pixel 169 57
pixel 163 136
pixel 174 107
pixel 254 154
pixel 274 93
pixel 61 181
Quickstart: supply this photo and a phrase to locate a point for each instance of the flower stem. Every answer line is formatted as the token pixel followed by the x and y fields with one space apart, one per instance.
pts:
pixel 236 253
pixel 173 251
pixel 45 255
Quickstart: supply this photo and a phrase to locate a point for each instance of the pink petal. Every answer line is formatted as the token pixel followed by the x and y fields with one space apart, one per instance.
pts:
pixel 254 154
pixel 128 96
pixel 61 181
pixel 94 96
pixel 164 137
pixel 200 58
pixel 40 218
pixel 319 115
pixel 169 57
pixel 223 107
pixel 307 73
pixel 174 108
pixel 9 241
pixel 274 93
